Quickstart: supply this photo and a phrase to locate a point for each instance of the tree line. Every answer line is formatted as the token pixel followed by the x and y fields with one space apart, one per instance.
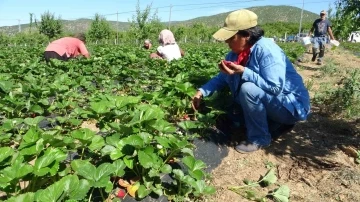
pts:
pixel 147 25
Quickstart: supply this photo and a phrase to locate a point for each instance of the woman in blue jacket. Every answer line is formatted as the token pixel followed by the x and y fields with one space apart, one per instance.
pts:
pixel 261 78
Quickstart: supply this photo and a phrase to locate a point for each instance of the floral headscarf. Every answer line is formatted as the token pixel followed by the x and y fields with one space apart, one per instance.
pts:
pixel 166 37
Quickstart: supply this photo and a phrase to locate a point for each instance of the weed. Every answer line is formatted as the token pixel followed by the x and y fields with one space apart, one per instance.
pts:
pixel 345 99
pixel 309 84
pixel 329 68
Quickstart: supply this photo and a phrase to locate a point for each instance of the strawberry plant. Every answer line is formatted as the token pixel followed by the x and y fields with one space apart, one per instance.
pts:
pixel 140 108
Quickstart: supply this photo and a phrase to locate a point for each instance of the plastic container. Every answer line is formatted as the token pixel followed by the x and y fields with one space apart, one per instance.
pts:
pixel 305 41
pixel 334 44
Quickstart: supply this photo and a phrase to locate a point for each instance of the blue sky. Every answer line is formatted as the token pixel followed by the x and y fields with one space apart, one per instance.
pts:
pixel 12 10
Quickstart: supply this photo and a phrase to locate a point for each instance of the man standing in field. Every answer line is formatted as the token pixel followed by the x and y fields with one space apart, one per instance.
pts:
pixel 322 26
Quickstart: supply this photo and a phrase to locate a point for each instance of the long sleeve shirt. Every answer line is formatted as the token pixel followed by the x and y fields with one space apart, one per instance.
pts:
pixel 268 68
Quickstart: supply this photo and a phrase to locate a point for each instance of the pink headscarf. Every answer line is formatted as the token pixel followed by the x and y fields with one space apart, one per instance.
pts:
pixel 166 37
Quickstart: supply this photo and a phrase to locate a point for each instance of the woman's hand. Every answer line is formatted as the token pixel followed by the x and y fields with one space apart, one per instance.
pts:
pixel 230 68
pixel 196 100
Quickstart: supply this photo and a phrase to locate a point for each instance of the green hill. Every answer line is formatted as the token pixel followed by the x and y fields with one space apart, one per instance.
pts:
pixel 266 14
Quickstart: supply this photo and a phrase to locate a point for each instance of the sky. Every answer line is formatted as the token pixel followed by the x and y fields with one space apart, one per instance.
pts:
pixel 11 11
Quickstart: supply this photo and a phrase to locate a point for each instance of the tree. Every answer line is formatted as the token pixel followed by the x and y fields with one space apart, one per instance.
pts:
pixel 99 29
pixel 50 26
pixel 346 18
pixel 144 25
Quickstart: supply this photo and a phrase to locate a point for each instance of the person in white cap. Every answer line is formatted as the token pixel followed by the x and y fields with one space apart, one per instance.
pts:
pixel 270 93
pixel 322 27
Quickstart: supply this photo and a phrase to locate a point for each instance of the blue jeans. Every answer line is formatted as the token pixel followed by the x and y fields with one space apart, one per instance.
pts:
pixel 319 44
pixel 261 112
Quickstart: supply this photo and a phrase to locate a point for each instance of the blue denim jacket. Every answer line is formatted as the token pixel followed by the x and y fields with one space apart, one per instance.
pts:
pixel 269 68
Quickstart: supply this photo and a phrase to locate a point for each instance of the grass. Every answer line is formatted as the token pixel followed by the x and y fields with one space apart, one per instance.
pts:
pixel 330 68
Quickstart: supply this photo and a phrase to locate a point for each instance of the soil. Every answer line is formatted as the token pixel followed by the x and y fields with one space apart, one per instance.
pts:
pixel 313 159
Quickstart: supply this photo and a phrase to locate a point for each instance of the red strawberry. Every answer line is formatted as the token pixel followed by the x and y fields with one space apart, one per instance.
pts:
pixel 227 63
pixel 121 193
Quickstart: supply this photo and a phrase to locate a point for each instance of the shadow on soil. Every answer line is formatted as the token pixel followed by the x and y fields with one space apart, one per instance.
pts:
pixel 316 138
pixel 310 142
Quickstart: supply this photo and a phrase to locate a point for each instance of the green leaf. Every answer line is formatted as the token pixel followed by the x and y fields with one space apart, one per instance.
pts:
pixel 163 126
pixel 134 140
pixel 44 102
pixel 193 164
pixel 102 182
pixel 197 174
pixel 33 121
pixel 145 159
pixel 163 141
pixel 122 101
pixel 142 192
pixel 96 143
pixel 166 169
pixel 186 125
pixel 84 168
pixel 119 167
pixel 282 194
pixel 101 107
pixel 5 152
pixel 129 162
pixel 37 109
pixel 269 178
pixel 107 150
pixel 16 171
pixel 75 122
pixel 199 186
pixel 145 137
pixel 103 170
pixel 29 196
pixel 146 113
pixel 83 134
pixel 32 135
pixel 209 190
pixel 153 172
pixel 179 174
pixel 34 149
pixel 116 154
pixel 80 192
pixel 51 193
pixel 6 86
pixel 187 151
pixel 50 155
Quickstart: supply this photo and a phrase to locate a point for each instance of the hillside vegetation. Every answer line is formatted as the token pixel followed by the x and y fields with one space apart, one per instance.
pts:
pixel 267 14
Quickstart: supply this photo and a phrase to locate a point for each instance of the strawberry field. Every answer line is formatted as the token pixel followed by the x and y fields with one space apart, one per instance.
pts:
pixel 144 124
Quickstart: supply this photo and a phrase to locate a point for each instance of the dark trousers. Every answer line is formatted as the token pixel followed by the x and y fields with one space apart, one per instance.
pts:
pixel 54 55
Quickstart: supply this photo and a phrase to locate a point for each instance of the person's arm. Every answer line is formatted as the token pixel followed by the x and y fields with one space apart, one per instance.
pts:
pixel 211 86
pixel 159 52
pixel 330 31
pixel 83 50
pixel 311 31
pixel 215 84
pixel 271 76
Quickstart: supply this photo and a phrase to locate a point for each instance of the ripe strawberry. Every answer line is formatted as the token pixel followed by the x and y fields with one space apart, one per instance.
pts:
pixel 121 193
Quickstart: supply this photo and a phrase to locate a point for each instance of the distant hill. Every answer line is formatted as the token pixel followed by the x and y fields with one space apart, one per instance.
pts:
pixel 266 14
